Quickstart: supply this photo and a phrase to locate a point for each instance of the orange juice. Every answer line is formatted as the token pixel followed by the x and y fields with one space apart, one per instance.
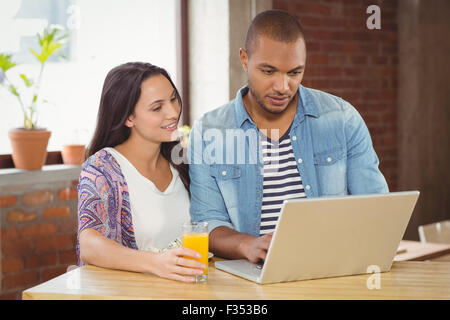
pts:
pixel 197 241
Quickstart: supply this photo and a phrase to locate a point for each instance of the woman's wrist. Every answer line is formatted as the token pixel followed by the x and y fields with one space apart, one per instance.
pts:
pixel 147 261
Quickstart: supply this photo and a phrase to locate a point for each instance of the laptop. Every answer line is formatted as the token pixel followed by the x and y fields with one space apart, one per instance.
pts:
pixel 331 237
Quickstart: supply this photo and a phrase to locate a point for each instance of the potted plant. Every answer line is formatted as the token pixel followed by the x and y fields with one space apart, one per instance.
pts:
pixel 184 135
pixel 29 143
pixel 74 151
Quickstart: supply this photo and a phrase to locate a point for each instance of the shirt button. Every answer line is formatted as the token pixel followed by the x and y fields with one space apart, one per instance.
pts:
pixel 308 187
pixel 294 138
pixel 329 159
pixel 300 160
pixel 224 173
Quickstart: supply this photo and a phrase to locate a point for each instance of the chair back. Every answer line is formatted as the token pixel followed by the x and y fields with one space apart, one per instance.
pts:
pixel 438 232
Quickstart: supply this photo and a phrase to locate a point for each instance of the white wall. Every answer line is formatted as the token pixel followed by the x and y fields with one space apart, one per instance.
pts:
pixel 217 30
pixel 209 55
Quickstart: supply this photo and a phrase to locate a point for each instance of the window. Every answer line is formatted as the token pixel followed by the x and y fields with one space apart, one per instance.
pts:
pixel 104 34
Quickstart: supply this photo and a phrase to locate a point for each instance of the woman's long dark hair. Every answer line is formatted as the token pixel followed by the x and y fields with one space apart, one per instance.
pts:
pixel 120 94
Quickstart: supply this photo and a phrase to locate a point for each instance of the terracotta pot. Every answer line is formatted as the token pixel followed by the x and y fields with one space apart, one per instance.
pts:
pixel 73 153
pixel 29 148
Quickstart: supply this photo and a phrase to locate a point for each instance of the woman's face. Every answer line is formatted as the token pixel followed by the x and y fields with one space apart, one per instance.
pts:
pixel 155 117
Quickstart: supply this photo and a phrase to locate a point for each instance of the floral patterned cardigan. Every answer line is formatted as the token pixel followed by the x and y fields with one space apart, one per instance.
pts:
pixel 103 201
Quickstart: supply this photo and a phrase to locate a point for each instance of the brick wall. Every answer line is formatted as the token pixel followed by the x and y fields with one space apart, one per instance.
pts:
pixel 359 65
pixel 38 234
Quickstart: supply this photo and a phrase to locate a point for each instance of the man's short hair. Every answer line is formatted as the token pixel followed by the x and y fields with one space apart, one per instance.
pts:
pixel 278 25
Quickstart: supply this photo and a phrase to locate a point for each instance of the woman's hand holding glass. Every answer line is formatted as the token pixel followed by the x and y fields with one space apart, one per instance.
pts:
pixel 173 264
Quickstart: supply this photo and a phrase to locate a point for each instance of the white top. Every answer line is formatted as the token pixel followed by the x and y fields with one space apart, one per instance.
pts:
pixel 157 216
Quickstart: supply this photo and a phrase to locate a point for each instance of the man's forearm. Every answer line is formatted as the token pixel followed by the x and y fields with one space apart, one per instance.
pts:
pixel 228 243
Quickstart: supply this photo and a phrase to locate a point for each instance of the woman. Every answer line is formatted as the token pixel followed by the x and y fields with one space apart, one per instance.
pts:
pixel 132 197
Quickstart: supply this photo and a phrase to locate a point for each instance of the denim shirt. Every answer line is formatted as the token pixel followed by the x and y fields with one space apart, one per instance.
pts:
pixel 329 139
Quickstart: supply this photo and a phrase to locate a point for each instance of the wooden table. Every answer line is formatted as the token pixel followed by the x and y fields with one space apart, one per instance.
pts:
pixel 406 280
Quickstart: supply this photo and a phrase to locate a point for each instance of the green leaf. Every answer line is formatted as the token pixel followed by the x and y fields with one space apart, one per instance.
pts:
pixel 28 82
pixel 13 90
pixel 51 40
pixel 62 55
pixel 6 62
pixel 40 39
pixel 64 37
pixel 52 47
pixel 37 55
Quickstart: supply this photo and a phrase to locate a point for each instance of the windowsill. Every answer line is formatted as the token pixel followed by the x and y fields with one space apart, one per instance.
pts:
pixel 53 157
pixel 49 173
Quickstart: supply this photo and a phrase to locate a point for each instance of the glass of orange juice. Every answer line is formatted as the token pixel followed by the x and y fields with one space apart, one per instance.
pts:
pixel 195 237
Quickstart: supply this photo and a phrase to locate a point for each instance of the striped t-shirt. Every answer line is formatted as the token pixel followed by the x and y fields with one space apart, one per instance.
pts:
pixel 281 179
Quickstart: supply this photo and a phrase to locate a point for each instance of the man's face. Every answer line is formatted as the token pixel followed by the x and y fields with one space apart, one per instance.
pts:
pixel 275 70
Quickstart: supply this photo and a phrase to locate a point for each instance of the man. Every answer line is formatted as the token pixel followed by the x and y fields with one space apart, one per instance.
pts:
pixel 306 143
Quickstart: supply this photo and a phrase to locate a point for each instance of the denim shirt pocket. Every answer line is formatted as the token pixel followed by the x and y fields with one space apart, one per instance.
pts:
pixel 331 171
pixel 227 178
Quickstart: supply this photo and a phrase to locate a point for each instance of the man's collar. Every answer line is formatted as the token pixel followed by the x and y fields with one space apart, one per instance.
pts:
pixel 309 107
pixel 241 113
pixel 305 100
